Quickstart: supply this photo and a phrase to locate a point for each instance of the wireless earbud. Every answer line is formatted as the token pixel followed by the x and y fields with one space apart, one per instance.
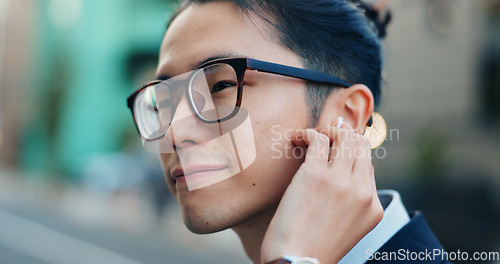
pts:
pixel 340 121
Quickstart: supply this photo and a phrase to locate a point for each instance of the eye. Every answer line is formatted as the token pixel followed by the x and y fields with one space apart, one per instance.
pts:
pixel 222 85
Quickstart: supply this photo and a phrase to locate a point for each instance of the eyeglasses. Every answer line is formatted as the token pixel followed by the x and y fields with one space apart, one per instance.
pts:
pixel 213 92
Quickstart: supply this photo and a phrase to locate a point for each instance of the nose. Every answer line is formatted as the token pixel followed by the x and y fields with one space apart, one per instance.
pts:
pixel 183 122
pixel 186 129
pixel 182 110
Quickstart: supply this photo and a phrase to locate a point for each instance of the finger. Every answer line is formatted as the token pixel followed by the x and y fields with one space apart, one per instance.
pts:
pixel 373 186
pixel 363 159
pixel 372 179
pixel 318 146
pixel 298 139
pixel 343 147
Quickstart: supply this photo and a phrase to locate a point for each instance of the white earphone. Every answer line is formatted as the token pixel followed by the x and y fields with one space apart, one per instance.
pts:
pixel 340 121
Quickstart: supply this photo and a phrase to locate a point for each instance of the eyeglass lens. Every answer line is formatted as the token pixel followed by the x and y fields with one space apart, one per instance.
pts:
pixel 212 92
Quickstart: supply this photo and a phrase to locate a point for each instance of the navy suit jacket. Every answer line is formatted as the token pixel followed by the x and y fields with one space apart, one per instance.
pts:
pixel 416 236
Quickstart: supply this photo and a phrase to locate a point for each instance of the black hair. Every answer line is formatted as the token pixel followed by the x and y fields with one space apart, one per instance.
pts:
pixel 337 37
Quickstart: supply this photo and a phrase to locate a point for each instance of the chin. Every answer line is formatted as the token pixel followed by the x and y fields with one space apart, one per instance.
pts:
pixel 206 221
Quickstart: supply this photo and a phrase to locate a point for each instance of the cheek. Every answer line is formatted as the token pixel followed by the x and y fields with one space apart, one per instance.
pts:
pixel 263 183
pixel 167 163
pixel 279 114
pixel 274 121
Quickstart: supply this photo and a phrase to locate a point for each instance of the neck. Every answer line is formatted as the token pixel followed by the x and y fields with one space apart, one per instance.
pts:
pixel 252 231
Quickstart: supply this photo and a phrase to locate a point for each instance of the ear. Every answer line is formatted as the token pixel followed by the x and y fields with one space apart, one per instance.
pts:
pixel 355 104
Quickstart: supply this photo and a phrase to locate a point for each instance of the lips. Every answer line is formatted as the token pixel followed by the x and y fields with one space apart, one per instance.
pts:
pixel 178 171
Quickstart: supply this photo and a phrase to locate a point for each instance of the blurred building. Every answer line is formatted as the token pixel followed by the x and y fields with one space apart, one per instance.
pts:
pixel 441 105
pixel 66 69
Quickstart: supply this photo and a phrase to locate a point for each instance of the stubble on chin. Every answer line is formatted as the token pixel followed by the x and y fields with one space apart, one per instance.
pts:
pixel 207 220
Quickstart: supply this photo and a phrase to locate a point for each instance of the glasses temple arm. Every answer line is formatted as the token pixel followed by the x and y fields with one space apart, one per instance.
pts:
pixel 289 71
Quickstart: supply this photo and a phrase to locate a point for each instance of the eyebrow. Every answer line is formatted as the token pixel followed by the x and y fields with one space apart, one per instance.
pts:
pixel 162 77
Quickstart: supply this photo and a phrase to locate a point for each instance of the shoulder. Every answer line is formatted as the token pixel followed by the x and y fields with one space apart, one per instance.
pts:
pixel 415 241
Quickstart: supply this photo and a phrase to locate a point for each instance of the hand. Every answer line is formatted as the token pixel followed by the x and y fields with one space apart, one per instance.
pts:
pixel 330 204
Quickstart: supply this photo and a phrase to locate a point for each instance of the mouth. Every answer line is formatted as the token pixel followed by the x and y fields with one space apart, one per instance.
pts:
pixel 179 174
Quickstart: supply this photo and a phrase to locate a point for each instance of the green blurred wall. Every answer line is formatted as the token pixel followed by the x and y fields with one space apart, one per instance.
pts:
pixel 80 78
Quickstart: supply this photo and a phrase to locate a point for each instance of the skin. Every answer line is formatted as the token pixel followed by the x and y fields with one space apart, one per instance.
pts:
pixel 259 202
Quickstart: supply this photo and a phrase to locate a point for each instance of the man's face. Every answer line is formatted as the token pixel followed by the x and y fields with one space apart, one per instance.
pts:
pixel 275 104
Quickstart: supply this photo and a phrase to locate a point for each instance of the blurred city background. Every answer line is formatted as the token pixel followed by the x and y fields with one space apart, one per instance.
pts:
pixel 77 187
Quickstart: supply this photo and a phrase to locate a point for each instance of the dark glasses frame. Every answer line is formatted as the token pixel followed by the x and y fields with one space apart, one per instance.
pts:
pixel 240 66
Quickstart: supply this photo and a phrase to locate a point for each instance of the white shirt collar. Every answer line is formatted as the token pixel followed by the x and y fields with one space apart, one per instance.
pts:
pixel 395 217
